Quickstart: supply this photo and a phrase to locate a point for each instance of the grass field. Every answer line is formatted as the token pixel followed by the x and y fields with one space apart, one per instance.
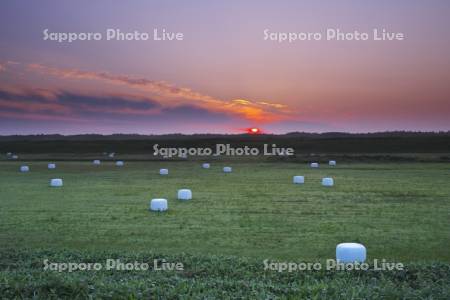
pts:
pixel 399 211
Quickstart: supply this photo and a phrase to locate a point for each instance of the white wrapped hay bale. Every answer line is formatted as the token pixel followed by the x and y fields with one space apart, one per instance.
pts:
pixel 205 166
pixel 51 166
pixel 158 205
pixel 96 162
pixel 184 194
pixel 332 163
pixel 163 171
pixel 24 169
pixel 227 169
pixel 314 165
pixel 298 179
pixel 15 157
pixel 327 181
pixel 9 154
pixel 119 163
pixel 56 182
pixel 350 253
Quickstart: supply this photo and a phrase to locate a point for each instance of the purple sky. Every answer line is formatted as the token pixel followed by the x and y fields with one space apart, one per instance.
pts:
pixel 223 77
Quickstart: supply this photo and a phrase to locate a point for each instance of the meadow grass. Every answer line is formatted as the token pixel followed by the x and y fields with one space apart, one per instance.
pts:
pixel 208 277
pixel 399 211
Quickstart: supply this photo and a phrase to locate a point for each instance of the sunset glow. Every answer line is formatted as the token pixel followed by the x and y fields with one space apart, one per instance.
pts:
pixel 218 78
pixel 254 130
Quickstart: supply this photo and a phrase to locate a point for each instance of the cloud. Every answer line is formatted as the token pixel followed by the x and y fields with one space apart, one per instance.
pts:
pixel 4 65
pixel 40 104
pixel 261 111
pixel 157 87
pixel 112 103
pixel 190 112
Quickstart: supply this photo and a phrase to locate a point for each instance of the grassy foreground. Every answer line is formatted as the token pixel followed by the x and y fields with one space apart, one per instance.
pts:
pixel 209 277
pixel 400 212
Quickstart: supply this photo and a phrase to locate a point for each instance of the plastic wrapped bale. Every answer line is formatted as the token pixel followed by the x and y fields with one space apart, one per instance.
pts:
pixel 327 181
pixel 119 163
pixel 227 169
pixel 9 154
pixel 332 163
pixel 350 253
pixel 158 205
pixel 298 179
pixel 163 171
pixel 184 194
pixel 205 166
pixel 96 162
pixel 15 157
pixel 56 182
pixel 51 166
pixel 314 165
pixel 24 169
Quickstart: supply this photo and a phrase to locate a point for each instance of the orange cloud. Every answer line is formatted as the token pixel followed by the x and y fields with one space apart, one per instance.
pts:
pixel 254 111
pixel 158 87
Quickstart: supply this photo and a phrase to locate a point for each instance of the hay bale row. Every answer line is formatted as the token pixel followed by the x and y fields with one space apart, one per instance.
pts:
pixel 327 181
pixel 315 165
pixel 161 204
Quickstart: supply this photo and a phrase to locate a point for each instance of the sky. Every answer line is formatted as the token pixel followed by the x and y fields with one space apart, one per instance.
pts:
pixel 224 76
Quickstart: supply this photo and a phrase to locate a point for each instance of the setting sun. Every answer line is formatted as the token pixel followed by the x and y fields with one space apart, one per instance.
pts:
pixel 254 130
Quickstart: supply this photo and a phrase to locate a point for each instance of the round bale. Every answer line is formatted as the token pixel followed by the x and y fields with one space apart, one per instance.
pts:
pixel 350 253
pixel 327 181
pixel 298 179
pixel 56 182
pixel 184 194
pixel 158 204
pixel 227 169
